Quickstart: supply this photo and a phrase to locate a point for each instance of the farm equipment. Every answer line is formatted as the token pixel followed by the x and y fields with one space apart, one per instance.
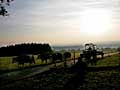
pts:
pixel 90 53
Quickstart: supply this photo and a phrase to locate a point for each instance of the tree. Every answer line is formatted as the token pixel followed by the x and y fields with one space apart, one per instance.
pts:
pixel 3 4
pixel 19 49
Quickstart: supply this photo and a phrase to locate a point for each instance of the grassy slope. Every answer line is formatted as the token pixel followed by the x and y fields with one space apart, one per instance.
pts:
pixel 108 61
pixel 6 62
pixel 56 79
pixel 107 80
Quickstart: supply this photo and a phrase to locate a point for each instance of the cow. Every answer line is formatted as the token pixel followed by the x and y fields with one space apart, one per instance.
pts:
pixel 57 56
pixel 67 55
pixel 44 57
pixel 23 59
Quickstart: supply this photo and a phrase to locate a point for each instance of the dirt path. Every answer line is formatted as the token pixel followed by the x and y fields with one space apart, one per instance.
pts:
pixel 22 74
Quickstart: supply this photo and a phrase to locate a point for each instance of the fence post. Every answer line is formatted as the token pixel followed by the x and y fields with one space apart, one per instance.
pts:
pixel 65 62
pixel 119 58
pixel 74 56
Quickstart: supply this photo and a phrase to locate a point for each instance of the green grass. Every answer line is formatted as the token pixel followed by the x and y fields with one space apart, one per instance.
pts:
pixel 77 54
pixel 103 80
pixel 6 62
pixel 109 61
pixel 94 80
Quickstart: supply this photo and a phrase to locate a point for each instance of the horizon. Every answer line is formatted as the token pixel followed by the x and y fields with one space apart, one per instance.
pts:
pixel 67 45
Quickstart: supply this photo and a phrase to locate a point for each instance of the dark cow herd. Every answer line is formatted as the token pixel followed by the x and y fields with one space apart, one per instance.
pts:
pixel 44 57
pixel 23 59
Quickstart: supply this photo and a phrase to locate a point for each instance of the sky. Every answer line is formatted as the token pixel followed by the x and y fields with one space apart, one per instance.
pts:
pixel 61 22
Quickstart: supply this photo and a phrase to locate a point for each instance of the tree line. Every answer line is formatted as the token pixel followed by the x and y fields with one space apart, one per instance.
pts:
pixel 20 49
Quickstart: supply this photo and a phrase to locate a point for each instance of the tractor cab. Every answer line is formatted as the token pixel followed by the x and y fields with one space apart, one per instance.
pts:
pixel 90 53
pixel 90 47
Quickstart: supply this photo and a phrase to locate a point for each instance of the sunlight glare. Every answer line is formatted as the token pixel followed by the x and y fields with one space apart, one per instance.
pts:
pixel 95 22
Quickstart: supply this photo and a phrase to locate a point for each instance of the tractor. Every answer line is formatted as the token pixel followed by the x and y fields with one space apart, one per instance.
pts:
pixel 89 55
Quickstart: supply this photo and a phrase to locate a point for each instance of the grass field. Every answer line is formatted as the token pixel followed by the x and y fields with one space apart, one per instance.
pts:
pixel 56 79
pixel 109 61
pixel 6 62
pixel 101 80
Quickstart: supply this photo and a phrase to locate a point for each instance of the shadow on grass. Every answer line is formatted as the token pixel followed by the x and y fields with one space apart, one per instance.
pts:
pixel 102 68
pixel 81 70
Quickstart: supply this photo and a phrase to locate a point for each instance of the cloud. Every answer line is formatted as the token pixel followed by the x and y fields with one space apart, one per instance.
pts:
pixel 38 18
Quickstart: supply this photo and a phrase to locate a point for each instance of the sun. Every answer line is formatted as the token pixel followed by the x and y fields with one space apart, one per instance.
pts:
pixel 95 22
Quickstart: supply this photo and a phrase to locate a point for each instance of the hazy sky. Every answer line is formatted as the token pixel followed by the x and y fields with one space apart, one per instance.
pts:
pixel 61 22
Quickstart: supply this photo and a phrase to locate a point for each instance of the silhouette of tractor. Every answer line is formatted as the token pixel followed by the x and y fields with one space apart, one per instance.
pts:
pixel 89 55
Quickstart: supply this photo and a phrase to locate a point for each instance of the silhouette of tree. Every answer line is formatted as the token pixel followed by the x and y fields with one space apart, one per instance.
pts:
pixel 3 4
pixel 20 49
